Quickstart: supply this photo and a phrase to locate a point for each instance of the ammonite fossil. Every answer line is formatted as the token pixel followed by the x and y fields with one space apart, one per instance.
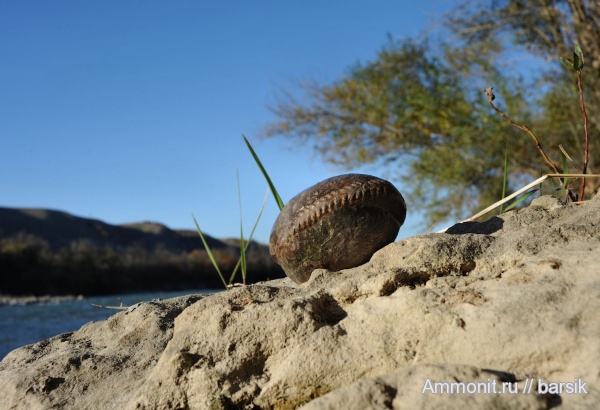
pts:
pixel 336 224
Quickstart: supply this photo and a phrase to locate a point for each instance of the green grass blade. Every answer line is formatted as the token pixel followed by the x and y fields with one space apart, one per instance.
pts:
pixel 565 164
pixel 520 200
pixel 209 252
pixel 505 180
pixel 242 246
pixel 262 208
pixel 264 172
pixel 237 266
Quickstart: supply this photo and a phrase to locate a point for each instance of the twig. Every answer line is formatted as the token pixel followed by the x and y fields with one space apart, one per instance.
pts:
pixel 538 144
pixel 587 137
pixel 121 307
pixel 491 97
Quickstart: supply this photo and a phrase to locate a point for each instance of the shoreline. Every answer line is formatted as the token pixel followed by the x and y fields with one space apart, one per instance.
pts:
pixel 24 300
pixel 8 300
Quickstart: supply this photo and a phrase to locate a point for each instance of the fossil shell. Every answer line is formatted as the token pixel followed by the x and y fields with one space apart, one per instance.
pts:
pixel 336 224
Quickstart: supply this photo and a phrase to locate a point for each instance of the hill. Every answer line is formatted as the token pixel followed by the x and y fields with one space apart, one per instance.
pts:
pixel 46 251
pixel 60 229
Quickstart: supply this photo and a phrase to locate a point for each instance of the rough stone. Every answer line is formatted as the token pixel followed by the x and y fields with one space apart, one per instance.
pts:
pixel 512 300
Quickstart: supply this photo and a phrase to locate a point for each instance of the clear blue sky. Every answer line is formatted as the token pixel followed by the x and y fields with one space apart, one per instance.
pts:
pixel 129 111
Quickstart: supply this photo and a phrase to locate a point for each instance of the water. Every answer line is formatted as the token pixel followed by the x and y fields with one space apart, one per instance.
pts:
pixel 23 324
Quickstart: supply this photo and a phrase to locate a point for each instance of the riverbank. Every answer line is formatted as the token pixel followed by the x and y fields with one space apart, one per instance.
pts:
pixel 7 300
pixel 26 320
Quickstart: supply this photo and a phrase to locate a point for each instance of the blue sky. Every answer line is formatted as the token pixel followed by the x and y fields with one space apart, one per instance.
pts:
pixel 129 111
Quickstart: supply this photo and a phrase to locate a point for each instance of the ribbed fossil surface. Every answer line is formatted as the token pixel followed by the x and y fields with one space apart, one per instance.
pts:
pixel 336 224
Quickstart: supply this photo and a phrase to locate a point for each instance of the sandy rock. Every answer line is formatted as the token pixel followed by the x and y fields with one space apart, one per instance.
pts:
pixel 404 389
pixel 512 300
pixel 97 367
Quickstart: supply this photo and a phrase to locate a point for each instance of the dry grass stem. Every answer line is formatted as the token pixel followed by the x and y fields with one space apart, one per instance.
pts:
pixel 520 191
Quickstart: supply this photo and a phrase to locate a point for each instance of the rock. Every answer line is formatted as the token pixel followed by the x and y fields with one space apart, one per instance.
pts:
pixel 336 224
pixel 514 300
pixel 99 366
pixel 404 389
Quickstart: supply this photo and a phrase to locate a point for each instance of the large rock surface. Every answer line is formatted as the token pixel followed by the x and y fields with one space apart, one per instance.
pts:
pixel 514 300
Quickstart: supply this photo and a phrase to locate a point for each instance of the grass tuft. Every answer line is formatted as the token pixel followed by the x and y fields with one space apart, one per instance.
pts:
pixel 242 261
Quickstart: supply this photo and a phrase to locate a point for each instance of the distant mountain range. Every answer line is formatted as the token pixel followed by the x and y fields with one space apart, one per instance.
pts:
pixel 46 251
pixel 61 228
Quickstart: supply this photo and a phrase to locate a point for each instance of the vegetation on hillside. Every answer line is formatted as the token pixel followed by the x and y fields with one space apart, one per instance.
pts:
pixel 30 266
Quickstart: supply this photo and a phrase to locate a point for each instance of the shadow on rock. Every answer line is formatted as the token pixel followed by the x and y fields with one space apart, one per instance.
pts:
pixel 488 227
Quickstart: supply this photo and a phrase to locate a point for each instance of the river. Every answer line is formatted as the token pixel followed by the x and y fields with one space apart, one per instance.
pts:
pixel 26 321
